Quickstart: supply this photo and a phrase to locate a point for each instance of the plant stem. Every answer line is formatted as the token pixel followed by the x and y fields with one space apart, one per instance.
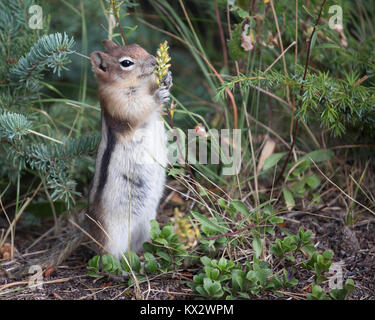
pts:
pixel 222 36
pixel 295 131
pixel 117 16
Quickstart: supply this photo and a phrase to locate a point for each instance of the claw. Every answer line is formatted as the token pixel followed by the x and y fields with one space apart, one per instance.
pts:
pixel 163 92
pixel 167 81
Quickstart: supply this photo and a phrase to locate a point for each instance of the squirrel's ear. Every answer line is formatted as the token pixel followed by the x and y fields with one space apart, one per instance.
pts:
pixel 98 61
pixel 109 45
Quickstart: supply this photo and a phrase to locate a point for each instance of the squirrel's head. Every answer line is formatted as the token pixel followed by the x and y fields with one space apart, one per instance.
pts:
pixel 123 66
pixel 122 73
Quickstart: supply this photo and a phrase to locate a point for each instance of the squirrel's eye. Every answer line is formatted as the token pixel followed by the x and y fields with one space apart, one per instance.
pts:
pixel 126 63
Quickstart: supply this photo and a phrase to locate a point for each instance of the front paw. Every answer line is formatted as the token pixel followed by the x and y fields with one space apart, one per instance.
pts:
pixel 167 81
pixel 163 94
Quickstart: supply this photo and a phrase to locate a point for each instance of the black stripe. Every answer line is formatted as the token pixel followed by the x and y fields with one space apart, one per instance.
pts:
pixel 111 141
pixel 138 184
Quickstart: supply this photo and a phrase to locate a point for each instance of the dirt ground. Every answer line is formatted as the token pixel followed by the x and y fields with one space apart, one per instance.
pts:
pixel 354 247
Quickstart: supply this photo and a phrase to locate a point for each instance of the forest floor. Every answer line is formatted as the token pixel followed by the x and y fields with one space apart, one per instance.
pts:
pixel 354 247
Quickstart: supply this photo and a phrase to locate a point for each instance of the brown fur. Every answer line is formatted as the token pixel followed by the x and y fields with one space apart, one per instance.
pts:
pixel 116 85
pixel 132 50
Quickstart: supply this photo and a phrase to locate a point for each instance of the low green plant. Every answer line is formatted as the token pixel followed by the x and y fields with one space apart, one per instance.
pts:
pixel 334 294
pixel 165 246
pixel 220 278
pixel 301 181
pixel 224 277
pixel 163 253
pixel 320 263
pixel 210 228
pixel 292 245
pixel 227 279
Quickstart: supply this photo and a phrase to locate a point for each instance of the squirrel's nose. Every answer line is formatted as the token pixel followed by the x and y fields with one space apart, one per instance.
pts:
pixel 149 64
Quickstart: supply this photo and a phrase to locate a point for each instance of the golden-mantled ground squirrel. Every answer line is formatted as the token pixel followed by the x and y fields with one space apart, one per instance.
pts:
pixel 129 173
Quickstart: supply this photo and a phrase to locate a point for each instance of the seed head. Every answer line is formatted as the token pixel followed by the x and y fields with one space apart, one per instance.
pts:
pixel 162 59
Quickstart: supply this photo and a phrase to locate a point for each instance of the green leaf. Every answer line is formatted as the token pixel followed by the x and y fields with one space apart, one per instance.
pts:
pixel 162 241
pixel 163 255
pixel 149 247
pixel 93 263
pixel 257 246
pixel 213 288
pixel 239 206
pixel 299 187
pixel 222 203
pixel 212 224
pixel 222 264
pixel 328 254
pixel 272 160
pixel 133 260
pixel 238 277
pixel 318 155
pixel 313 181
pixel 308 11
pixel 242 13
pixel 176 171
pixel 155 229
pixel 206 261
pixel 201 291
pixel 309 248
pixel 212 273
pixel 301 167
pixel 349 285
pixel 151 264
pixel 107 261
pixel 313 40
pixel 317 290
pixel 198 278
pixel 289 199
pixel 244 295
pixel 275 220
pixel 167 232
pixel 259 275
pixel 94 274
